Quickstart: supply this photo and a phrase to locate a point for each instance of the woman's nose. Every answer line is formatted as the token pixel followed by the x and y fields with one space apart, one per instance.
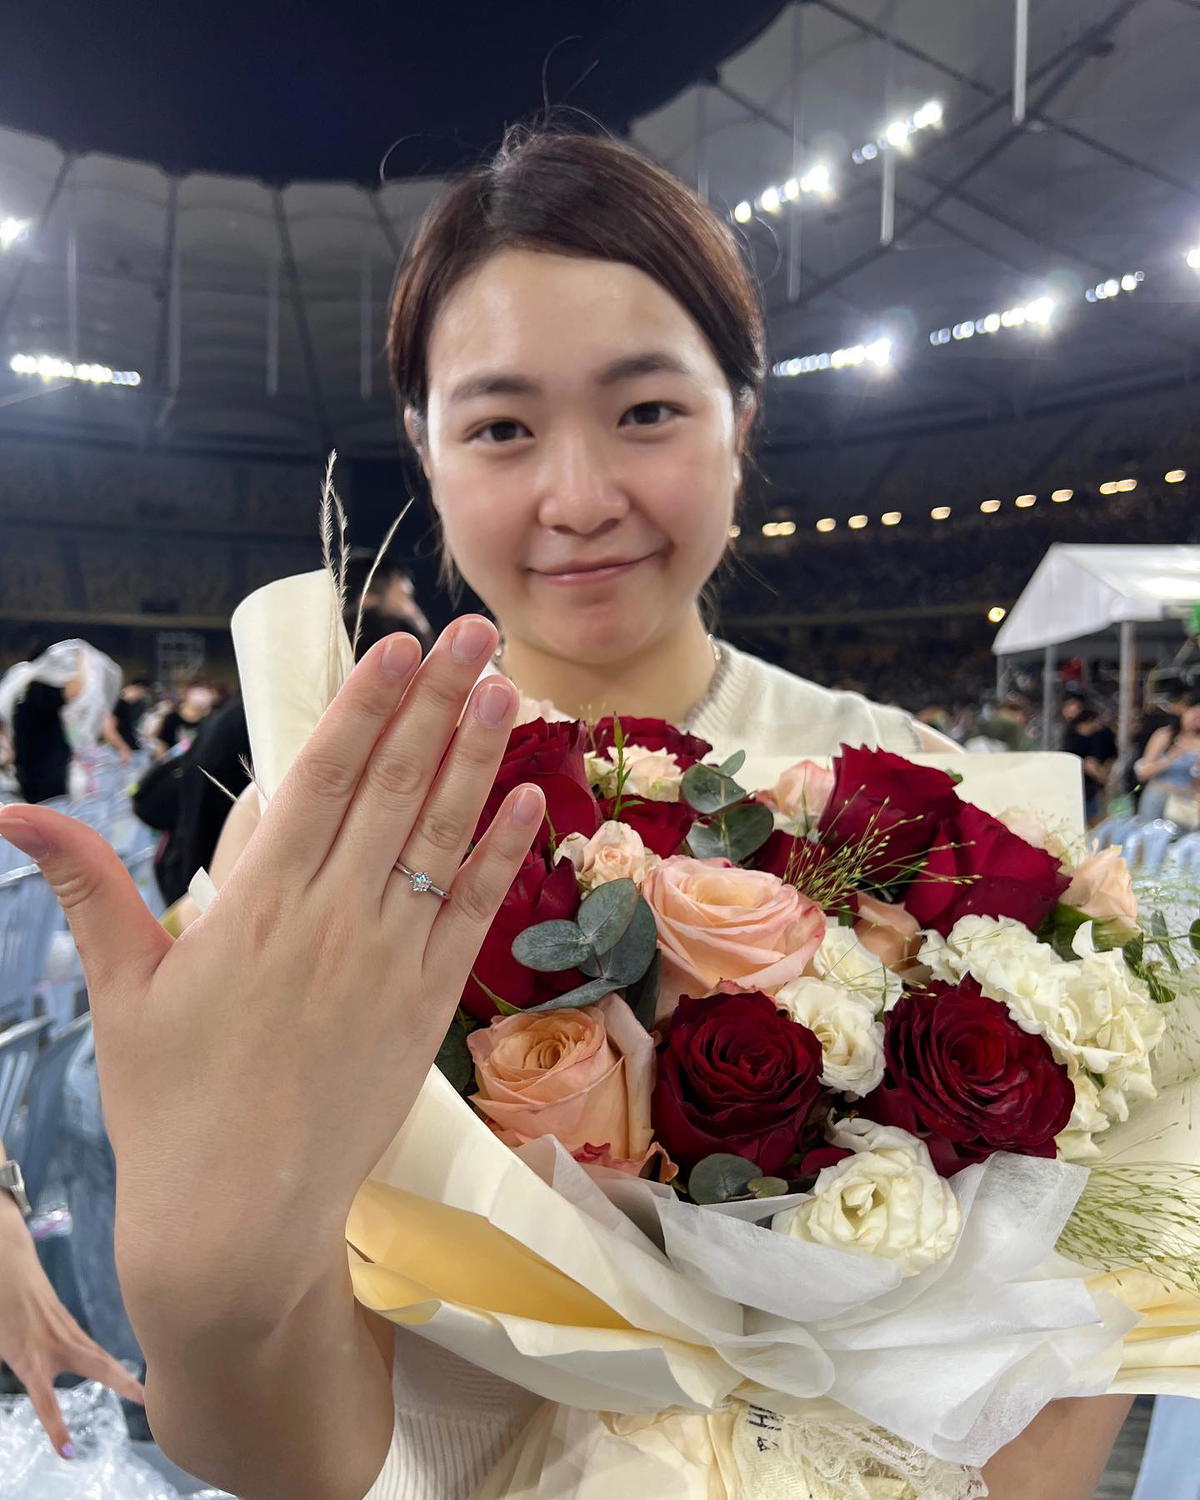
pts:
pixel 579 492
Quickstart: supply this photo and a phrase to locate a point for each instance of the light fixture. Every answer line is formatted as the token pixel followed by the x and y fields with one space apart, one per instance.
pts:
pixel 11 230
pixel 1113 287
pixel 770 200
pixel 897 133
pixel 734 533
pixel 996 613
pixel 827 523
pixel 989 507
pixel 1175 476
pixel 1023 502
pixel 892 518
pixel 743 213
pixel 877 353
pixel 1110 487
pixel 1126 486
pixel 856 523
pixel 1061 496
pixel 1193 257
pixel 817 180
pixel 940 513
pixel 786 528
pixel 1038 312
pixel 47 367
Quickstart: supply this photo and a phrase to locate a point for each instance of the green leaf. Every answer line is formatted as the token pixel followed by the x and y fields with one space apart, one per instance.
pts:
pixel 502 1006
pixel 586 994
pixel 767 1187
pixel 1158 926
pixel 720 1177
pixel 454 1060
pixel 634 954
pixel 1194 935
pixel 735 835
pixel 605 915
pixel 551 946
pixel 734 764
pixel 707 791
pixel 1135 953
pixel 642 995
pixel 1160 991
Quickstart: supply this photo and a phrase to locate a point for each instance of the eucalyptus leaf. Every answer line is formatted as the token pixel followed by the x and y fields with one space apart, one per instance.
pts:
pixel 551 946
pixel 707 791
pixel 1158 926
pixel 605 915
pixel 1194 935
pixel 767 1187
pixel 642 995
pixel 454 1060
pixel 735 835
pixel 734 764
pixel 720 1177
pixel 586 994
pixel 634 954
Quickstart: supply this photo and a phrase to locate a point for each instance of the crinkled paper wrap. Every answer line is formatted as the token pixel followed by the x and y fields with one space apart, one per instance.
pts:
pixel 525 1265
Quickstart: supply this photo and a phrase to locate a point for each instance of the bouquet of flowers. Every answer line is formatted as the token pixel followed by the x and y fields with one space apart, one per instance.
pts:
pixel 827 1129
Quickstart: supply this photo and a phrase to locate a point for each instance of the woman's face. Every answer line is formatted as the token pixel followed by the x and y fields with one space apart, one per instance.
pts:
pixel 1189 720
pixel 581 443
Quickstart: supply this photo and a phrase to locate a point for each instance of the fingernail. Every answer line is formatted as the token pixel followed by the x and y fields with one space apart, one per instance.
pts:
pixel 396 659
pixel 528 807
pixel 67 1450
pixel 28 839
pixel 494 704
pixel 471 638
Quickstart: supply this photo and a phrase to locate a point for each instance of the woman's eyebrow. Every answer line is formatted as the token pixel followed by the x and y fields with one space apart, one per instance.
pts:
pixel 628 367
pixel 493 383
pixel 650 362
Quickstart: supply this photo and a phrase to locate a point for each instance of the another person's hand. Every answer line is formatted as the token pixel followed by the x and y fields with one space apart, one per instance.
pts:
pixel 255 1070
pixel 39 1339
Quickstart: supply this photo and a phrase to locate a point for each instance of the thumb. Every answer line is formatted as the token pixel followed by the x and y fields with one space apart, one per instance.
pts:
pixel 113 928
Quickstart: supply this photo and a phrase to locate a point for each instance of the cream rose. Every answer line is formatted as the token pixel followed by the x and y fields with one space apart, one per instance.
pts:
pixel 584 1076
pixel 844 1023
pixel 843 960
pixel 614 852
pixel 801 793
pixel 653 774
pixel 1028 826
pixel 885 1200
pixel 1102 888
pixel 722 927
pixel 892 934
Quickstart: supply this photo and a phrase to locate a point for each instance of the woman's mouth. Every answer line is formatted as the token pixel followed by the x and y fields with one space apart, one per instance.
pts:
pixel 575 574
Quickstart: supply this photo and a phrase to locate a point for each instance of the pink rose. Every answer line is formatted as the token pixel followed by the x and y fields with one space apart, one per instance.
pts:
pixel 1102 888
pixel 584 1076
pixel 889 932
pixel 724 928
pixel 614 852
pixel 801 792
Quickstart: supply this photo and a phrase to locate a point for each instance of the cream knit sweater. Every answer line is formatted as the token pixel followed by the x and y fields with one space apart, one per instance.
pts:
pixel 454 1421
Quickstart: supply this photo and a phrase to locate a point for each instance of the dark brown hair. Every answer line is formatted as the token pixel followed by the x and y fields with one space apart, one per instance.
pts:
pixel 573 194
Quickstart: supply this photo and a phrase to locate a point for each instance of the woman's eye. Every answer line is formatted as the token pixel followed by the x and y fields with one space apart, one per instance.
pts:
pixel 648 414
pixel 505 431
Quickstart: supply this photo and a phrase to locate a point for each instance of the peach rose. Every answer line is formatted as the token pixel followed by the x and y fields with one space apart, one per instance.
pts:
pixel 724 928
pixel 1102 888
pixel 892 934
pixel 614 852
pixel 801 792
pixel 584 1076
pixel 653 774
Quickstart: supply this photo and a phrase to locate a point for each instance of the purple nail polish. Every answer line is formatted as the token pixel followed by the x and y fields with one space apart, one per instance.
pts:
pixel 67 1450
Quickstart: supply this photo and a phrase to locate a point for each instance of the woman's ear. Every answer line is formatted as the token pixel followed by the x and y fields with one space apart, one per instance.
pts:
pixel 745 412
pixel 414 430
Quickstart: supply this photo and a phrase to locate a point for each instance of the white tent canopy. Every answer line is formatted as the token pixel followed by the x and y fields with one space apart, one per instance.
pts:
pixel 1082 591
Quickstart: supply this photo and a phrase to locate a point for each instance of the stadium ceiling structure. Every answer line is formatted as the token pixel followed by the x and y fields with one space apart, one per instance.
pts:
pixel 955 217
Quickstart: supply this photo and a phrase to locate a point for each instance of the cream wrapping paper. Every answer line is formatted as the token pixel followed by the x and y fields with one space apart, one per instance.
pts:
pixel 520 1263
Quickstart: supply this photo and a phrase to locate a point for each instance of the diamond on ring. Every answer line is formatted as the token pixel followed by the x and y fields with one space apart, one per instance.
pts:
pixel 422 884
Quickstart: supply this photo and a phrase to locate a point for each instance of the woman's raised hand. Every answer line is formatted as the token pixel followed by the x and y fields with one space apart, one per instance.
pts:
pixel 254 1070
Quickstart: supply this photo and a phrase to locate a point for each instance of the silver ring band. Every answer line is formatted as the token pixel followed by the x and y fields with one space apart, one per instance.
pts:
pixel 421 883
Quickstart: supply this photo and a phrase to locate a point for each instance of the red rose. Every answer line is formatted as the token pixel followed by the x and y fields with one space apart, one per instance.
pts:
pixel 662 826
pixel 652 734
pixel 549 756
pixel 812 868
pixel 963 1075
pixel 888 809
pixel 540 893
pixel 735 1074
pixel 979 868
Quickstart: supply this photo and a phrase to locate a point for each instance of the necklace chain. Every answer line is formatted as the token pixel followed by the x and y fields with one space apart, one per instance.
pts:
pixel 720 665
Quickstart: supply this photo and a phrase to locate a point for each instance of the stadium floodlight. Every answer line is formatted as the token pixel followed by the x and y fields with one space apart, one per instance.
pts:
pixel 49 367
pixel 11 230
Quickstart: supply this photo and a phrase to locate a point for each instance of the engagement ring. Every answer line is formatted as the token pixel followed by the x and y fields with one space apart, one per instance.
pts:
pixel 421 883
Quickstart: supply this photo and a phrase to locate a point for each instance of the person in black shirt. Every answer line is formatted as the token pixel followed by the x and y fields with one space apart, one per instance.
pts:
pixel 1088 737
pixel 129 710
pixel 41 753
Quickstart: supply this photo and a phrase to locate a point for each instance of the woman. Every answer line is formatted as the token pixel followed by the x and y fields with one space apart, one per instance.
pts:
pixel 58 706
pixel 578 351
pixel 1170 767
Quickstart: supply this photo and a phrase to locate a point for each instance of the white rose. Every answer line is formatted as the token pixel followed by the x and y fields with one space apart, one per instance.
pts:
pixel 844 961
pixel 654 774
pixel 1075 1143
pixel 614 852
pixel 884 1200
pixel 845 1025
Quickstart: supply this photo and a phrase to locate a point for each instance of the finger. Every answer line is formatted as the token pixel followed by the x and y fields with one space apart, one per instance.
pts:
pixel 114 930
pixel 479 888
pixel 303 817
pixel 400 773
pixel 40 1390
pixel 446 824
pixel 84 1357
